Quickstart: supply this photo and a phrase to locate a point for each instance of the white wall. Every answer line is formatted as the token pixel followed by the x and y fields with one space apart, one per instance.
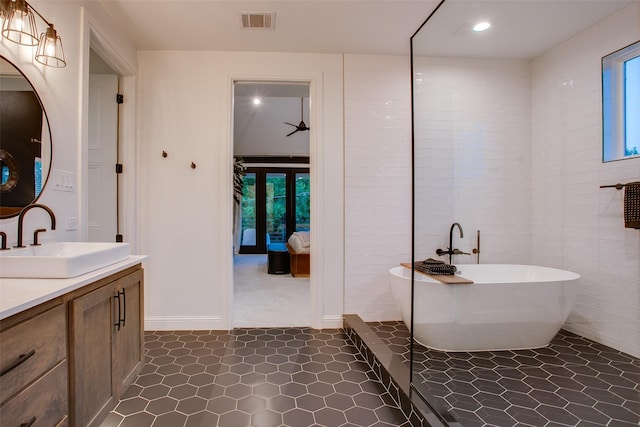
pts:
pixel 61 92
pixel 377 180
pixel 577 225
pixel 185 214
pixel 472 157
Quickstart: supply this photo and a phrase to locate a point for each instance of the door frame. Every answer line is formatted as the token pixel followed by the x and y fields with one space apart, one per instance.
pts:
pixel 315 175
pixel 93 38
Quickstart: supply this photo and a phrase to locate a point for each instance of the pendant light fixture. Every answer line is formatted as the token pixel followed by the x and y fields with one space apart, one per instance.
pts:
pixel 50 50
pixel 19 26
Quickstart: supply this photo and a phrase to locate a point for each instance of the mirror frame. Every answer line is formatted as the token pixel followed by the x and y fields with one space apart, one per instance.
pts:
pixel 15 175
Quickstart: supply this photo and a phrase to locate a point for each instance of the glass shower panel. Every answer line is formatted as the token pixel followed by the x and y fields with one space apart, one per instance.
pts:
pixel 276 204
pixel 495 149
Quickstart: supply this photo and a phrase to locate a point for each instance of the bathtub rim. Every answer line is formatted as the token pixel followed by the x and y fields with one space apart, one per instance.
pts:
pixel 564 275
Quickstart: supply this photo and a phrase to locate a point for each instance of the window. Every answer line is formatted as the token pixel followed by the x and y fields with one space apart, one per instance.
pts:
pixel 275 203
pixel 621 104
pixel 37 172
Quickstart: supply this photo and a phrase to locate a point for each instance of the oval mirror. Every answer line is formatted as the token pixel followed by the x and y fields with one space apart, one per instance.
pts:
pixel 25 142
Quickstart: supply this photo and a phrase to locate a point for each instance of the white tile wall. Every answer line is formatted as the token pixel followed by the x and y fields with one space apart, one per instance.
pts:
pixel 473 157
pixel 377 180
pixel 577 225
pixel 527 177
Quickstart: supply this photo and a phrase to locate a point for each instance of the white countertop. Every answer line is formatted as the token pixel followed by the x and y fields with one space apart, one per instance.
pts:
pixel 17 295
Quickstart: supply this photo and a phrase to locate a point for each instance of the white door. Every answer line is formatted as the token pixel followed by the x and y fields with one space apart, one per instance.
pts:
pixel 102 178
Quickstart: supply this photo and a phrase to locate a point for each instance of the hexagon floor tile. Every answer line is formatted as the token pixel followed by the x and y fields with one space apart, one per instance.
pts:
pixel 572 382
pixel 254 377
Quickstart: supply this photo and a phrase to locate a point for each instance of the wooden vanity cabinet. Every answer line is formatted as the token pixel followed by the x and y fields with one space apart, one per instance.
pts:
pixel 34 368
pixel 105 344
pixel 67 361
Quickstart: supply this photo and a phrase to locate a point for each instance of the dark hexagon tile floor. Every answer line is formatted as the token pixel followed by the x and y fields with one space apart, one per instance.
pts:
pixel 254 377
pixel 572 382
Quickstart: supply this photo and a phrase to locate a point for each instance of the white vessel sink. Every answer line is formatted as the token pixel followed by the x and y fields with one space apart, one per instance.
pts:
pixel 61 259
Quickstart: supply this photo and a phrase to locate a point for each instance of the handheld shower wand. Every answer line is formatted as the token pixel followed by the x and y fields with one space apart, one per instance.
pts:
pixel 476 250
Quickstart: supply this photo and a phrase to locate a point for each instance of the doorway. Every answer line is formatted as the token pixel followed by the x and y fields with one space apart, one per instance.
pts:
pixel 102 178
pixel 271 143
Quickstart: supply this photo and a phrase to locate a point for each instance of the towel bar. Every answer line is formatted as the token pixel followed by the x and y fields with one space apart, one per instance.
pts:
pixel 617 186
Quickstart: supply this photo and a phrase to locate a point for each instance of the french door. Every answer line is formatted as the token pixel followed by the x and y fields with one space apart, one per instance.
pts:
pixel 275 203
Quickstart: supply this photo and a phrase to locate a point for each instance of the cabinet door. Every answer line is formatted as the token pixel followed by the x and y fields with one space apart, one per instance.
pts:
pixel 92 334
pixel 129 342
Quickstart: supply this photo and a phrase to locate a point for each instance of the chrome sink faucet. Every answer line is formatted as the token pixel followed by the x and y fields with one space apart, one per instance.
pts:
pixel 450 250
pixel 21 220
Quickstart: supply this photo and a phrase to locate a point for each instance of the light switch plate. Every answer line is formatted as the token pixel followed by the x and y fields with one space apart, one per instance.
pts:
pixel 71 223
pixel 63 181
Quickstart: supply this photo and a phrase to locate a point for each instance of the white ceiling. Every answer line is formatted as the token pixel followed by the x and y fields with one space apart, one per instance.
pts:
pixel 521 29
pixel 310 26
pixel 260 130
pixel 355 26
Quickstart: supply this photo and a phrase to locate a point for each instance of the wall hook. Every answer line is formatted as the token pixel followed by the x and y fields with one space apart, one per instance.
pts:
pixel 164 154
pixel 193 165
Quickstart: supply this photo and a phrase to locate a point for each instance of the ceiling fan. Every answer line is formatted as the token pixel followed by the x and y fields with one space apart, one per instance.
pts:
pixel 301 126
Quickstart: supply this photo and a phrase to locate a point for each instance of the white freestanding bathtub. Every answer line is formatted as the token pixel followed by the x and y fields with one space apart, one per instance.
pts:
pixel 508 307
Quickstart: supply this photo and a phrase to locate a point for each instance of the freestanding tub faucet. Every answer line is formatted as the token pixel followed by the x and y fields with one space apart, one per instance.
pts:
pixel 450 250
pixel 21 220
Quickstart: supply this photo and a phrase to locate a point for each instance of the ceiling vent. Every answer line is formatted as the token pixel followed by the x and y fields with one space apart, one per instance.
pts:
pixel 265 20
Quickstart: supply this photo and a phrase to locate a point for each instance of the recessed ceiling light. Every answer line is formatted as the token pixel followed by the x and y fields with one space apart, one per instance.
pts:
pixel 481 26
pixel 257 101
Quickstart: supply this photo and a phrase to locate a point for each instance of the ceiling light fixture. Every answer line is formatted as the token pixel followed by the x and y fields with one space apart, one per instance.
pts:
pixel 481 26
pixel 19 26
pixel 257 101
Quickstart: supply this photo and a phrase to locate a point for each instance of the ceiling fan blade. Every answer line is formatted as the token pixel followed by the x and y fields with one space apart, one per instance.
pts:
pixel 302 125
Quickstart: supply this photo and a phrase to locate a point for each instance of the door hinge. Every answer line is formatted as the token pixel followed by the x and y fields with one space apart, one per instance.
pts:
pixel 119 98
pixel 118 167
pixel 119 238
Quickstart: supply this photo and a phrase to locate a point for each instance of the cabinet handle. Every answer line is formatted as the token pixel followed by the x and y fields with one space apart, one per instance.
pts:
pixel 124 308
pixel 28 423
pixel 19 361
pixel 117 324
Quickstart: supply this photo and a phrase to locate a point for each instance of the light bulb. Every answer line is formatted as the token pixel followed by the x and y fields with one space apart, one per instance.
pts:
pixel 50 47
pixel 481 26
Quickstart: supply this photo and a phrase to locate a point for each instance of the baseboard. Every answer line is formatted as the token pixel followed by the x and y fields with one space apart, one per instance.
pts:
pixel 184 323
pixel 332 321
pixel 204 323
